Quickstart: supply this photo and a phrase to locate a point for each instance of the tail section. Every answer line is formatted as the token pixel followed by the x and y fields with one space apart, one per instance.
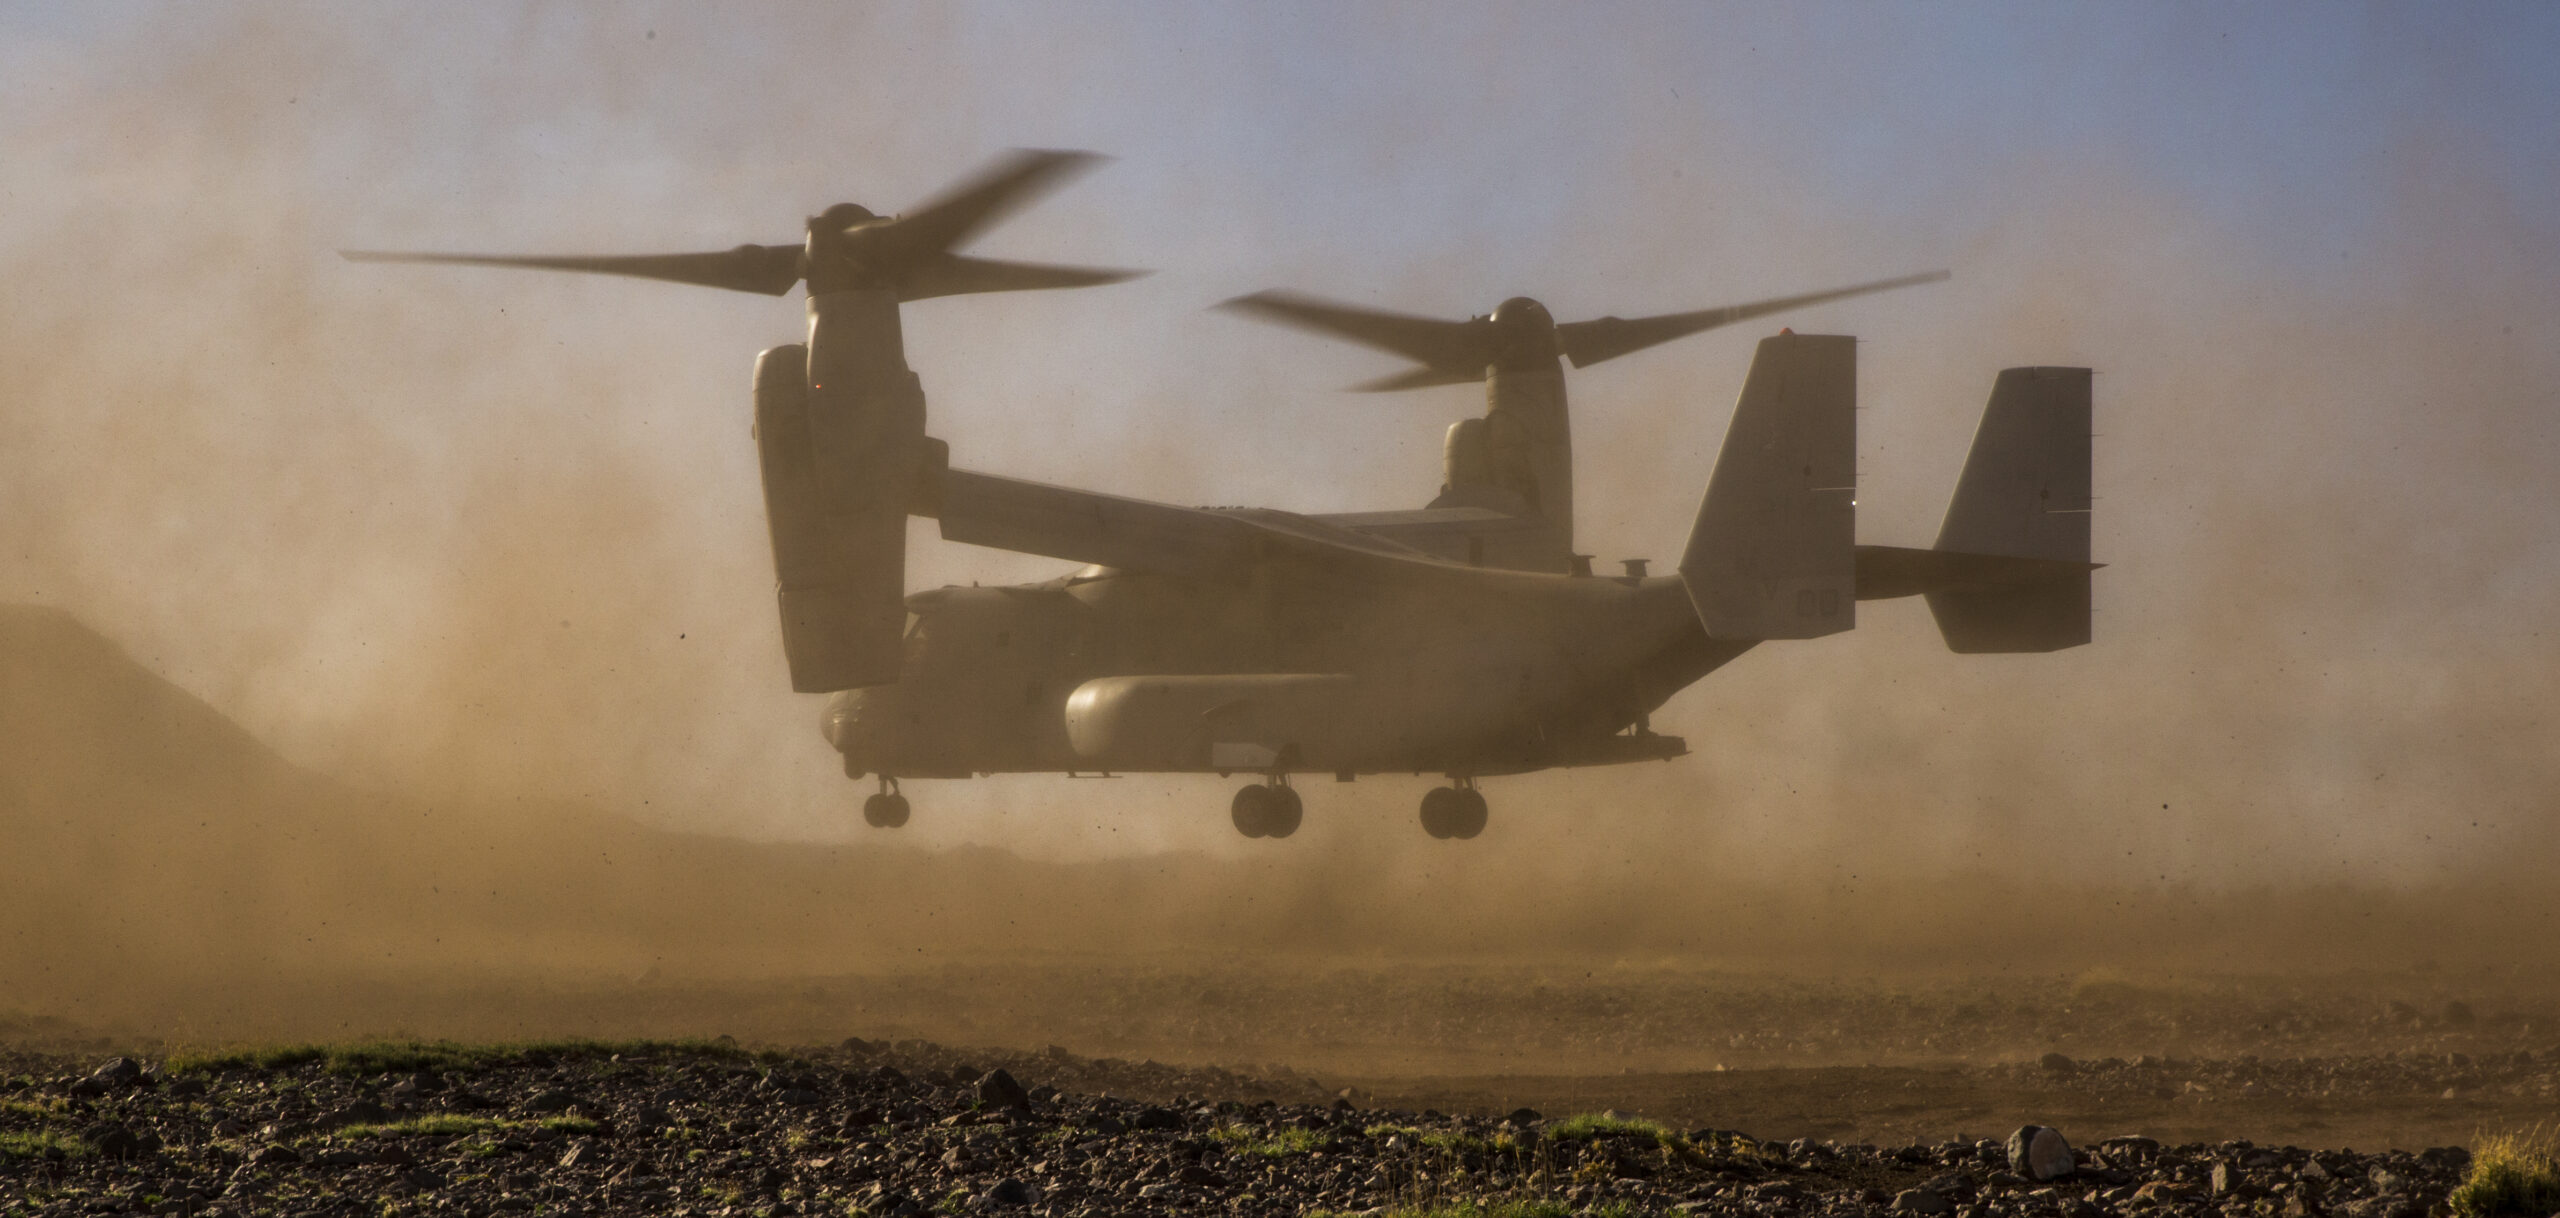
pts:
pixel 2024 495
pixel 1772 555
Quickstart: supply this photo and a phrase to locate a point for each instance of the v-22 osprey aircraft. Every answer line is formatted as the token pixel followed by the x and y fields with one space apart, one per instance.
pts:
pixel 1466 638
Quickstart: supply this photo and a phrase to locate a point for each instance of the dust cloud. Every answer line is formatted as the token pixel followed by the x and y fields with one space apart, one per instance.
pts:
pixel 487 553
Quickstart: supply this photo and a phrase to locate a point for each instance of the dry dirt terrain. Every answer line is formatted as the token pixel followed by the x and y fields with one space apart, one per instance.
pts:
pixel 1321 1036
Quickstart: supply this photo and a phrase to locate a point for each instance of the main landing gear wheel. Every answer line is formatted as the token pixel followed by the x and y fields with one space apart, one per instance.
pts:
pixel 1286 811
pixel 1457 812
pixel 886 810
pixel 1267 810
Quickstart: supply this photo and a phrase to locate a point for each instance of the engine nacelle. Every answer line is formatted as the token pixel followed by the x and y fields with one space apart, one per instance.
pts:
pixel 1246 722
pixel 844 457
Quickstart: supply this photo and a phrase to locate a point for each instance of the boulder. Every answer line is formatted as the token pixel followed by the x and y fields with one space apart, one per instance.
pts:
pixel 997 1089
pixel 2039 1153
pixel 1921 1201
pixel 112 1141
pixel 361 1112
pixel 117 1074
pixel 1007 1193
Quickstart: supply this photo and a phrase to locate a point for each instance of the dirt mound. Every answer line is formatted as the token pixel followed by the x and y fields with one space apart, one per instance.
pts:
pixel 82 725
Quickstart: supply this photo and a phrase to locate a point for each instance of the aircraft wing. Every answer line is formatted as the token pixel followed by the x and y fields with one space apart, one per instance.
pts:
pixel 1429 522
pixel 1138 535
pixel 1088 526
pixel 1476 536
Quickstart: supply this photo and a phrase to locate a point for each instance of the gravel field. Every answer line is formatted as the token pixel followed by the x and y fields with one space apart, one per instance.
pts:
pixel 910 1127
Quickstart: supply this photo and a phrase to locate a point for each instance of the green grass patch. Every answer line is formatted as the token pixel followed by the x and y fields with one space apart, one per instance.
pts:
pixel 42 1110
pixel 437 1125
pixel 1451 1143
pixel 1588 1126
pixel 1277 1144
pixel 2510 1174
pixel 455 1125
pixel 1461 1143
pixel 410 1057
pixel 1585 1126
pixel 43 1144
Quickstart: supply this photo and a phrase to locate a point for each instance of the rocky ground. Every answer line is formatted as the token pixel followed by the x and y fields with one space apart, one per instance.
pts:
pixel 911 1127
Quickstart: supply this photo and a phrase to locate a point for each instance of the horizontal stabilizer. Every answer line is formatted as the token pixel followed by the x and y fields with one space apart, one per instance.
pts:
pixel 1993 620
pixel 1771 554
pixel 1886 572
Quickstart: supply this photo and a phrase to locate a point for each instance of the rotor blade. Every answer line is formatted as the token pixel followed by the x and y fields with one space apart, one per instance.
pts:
pixel 1589 342
pixel 953 217
pixel 1455 348
pixel 770 269
pixel 954 275
pixel 1418 378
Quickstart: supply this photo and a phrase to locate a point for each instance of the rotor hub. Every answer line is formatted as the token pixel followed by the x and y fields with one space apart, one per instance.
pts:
pixel 835 255
pixel 1524 334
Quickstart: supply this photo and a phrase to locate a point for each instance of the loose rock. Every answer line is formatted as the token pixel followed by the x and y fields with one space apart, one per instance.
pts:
pixel 999 1090
pixel 2039 1153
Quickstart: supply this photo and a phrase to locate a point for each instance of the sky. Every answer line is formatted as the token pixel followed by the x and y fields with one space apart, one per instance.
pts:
pixel 500 533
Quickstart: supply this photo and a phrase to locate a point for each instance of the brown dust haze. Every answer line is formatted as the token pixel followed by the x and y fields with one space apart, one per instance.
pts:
pixel 377 631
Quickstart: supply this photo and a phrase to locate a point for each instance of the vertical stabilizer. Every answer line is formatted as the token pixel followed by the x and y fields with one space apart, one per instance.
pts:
pixel 2025 493
pixel 1772 555
pixel 2025 488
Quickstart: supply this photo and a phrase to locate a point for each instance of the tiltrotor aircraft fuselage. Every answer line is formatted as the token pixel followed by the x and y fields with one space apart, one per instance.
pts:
pixel 1465 638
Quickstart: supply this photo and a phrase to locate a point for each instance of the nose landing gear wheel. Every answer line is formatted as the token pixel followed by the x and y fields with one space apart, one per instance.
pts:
pixel 886 810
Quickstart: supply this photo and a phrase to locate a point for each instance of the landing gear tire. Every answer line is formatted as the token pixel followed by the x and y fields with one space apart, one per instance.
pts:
pixel 1443 810
pixel 1457 812
pixel 1286 811
pixel 1471 814
pixel 1253 810
pixel 1267 810
pixel 886 810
